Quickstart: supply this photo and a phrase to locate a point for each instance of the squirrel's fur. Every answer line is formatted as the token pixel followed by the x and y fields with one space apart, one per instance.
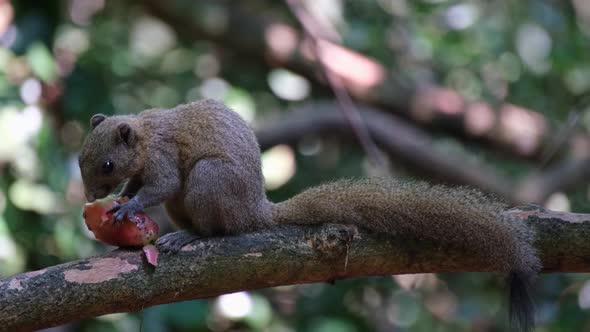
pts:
pixel 203 162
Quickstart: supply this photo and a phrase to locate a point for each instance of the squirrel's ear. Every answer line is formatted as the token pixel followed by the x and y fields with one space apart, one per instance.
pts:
pixel 126 133
pixel 96 119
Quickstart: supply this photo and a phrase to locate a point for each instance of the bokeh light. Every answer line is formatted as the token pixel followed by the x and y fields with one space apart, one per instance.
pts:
pixel 461 16
pixel 34 197
pixel 151 37
pixel 278 166
pixel 288 85
pixel 30 91
pixel 235 306
pixel 558 202
pixel 534 44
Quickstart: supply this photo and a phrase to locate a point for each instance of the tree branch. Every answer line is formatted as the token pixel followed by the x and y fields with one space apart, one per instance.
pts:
pixel 568 174
pixel 404 143
pixel 412 147
pixel 120 280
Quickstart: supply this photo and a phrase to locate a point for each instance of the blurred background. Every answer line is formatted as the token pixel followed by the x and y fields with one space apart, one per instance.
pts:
pixel 489 94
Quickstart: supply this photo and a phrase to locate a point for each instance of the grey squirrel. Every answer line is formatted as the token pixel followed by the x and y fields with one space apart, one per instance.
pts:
pixel 203 162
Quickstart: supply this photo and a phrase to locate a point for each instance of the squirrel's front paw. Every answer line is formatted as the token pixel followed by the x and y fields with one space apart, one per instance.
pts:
pixel 127 209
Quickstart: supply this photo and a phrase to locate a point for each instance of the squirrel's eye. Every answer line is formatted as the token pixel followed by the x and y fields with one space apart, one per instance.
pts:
pixel 108 167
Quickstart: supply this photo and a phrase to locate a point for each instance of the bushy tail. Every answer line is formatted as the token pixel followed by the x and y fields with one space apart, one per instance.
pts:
pixel 522 308
pixel 524 268
pixel 453 216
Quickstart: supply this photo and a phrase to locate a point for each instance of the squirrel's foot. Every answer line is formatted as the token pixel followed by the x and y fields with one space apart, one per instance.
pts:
pixel 127 209
pixel 173 242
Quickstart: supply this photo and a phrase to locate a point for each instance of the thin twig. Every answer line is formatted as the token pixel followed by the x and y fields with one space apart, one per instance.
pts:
pixel 335 82
pixel 562 136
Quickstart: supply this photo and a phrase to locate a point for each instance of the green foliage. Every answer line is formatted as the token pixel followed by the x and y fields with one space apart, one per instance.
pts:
pixel 63 61
pixel 41 62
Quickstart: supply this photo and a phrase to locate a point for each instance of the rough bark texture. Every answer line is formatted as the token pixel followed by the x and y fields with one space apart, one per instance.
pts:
pixel 121 280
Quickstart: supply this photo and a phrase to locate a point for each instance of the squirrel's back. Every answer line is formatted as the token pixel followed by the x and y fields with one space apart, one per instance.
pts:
pixel 206 129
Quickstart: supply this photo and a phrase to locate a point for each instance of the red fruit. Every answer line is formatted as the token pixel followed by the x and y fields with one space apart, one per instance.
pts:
pixel 139 231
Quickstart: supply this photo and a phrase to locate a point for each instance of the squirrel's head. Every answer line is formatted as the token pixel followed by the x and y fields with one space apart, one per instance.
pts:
pixel 109 155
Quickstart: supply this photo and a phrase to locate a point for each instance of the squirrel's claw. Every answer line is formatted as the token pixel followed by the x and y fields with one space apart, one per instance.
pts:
pixel 121 214
pixel 173 242
pixel 114 210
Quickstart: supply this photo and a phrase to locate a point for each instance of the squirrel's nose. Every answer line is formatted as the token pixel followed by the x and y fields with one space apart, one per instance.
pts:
pixel 89 197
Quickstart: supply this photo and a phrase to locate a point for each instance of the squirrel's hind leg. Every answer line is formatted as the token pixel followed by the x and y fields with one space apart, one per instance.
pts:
pixel 221 198
pixel 177 212
pixel 173 242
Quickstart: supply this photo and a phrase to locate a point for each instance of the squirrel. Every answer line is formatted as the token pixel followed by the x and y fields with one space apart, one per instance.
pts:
pixel 202 160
